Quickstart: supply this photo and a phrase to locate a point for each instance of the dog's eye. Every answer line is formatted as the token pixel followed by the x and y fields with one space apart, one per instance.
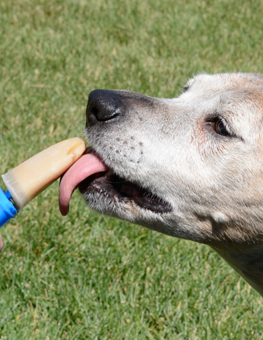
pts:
pixel 219 126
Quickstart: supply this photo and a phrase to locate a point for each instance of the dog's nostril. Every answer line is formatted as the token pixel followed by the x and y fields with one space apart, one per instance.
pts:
pixel 95 111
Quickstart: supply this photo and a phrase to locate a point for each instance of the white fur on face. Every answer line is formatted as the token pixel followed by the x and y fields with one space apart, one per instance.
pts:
pixel 166 146
pixel 212 182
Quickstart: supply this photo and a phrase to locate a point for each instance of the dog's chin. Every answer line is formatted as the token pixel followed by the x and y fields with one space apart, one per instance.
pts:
pixel 109 193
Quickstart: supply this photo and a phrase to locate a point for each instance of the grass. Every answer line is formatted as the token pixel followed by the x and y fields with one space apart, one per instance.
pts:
pixel 88 276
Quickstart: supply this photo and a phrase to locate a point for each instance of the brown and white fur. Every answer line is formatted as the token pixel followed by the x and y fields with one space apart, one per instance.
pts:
pixel 196 160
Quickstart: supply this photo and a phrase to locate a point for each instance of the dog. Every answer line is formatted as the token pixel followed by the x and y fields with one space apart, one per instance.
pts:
pixel 190 167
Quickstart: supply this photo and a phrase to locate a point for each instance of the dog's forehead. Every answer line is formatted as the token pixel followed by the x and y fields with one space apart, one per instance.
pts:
pixel 217 83
pixel 240 90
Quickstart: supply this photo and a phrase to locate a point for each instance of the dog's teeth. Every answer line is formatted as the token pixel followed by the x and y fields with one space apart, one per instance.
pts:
pixel 31 177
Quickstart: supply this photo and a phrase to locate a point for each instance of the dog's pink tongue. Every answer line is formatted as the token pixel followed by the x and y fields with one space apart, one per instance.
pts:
pixel 85 166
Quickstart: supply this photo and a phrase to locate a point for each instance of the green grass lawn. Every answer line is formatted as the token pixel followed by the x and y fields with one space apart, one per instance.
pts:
pixel 88 276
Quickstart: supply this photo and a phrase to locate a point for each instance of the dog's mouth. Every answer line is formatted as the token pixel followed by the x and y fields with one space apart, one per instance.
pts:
pixel 91 175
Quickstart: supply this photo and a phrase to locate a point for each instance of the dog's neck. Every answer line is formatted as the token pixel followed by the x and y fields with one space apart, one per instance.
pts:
pixel 247 262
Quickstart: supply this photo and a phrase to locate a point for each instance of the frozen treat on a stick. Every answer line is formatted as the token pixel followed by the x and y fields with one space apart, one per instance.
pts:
pixel 28 179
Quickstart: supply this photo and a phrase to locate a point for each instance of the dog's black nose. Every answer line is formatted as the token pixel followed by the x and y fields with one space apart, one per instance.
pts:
pixel 103 105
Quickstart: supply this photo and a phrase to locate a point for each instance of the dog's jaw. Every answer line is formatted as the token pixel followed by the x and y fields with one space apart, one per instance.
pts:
pixel 117 196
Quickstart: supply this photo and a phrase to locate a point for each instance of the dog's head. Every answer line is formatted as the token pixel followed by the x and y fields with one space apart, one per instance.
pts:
pixel 190 167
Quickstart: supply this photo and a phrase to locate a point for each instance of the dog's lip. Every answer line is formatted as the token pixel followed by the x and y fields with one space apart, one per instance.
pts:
pixel 118 190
